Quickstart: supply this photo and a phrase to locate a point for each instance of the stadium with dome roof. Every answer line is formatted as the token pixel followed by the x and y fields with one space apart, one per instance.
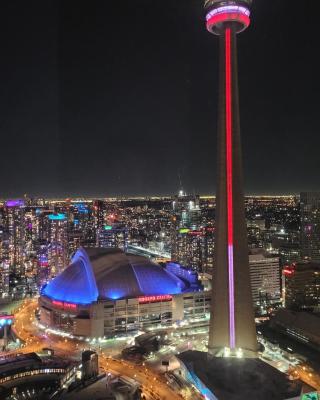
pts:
pixel 106 291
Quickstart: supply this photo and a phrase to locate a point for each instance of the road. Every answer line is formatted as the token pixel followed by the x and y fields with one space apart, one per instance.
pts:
pixel 291 364
pixel 154 384
pixel 307 375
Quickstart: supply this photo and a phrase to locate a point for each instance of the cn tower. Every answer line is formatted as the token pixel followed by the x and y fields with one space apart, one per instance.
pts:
pixel 232 327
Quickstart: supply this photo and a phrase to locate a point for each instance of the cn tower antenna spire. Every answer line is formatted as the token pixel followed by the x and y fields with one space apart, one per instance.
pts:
pixel 232 327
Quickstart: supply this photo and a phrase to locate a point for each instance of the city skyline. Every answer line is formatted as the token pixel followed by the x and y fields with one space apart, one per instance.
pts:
pixel 132 264
pixel 147 114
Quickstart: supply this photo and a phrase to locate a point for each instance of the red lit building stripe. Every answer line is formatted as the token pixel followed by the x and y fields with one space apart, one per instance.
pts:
pixel 229 167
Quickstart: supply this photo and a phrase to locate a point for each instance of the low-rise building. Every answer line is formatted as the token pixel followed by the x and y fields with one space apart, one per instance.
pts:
pixel 301 326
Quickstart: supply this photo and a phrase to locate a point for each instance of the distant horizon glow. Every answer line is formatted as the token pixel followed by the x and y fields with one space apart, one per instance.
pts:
pixel 14 203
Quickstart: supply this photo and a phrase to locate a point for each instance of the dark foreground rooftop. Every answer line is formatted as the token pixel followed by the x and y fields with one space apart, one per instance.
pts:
pixel 240 379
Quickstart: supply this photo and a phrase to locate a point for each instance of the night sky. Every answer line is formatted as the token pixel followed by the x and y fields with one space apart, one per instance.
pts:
pixel 112 97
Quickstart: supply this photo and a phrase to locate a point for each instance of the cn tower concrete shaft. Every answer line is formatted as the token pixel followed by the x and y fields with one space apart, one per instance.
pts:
pixel 232 317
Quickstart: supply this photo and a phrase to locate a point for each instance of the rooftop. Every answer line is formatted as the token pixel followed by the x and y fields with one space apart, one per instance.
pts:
pixel 305 322
pixel 240 378
pixel 110 274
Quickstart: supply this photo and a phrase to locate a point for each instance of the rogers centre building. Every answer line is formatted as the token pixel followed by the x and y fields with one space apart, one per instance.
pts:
pixel 106 291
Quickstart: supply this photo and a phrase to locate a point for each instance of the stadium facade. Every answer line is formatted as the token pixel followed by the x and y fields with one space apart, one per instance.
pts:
pixel 106 291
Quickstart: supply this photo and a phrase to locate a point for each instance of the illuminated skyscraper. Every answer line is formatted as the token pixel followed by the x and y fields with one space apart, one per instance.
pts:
pixel 14 225
pixel 232 318
pixel 194 248
pixel 99 214
pixel 310 225
pixel 192 240
pixel 58 247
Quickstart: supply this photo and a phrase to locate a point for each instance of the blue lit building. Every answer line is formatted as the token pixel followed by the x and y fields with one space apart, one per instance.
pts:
pixel 104 291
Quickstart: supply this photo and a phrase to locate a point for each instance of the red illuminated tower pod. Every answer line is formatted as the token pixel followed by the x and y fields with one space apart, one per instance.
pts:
pixel 232 327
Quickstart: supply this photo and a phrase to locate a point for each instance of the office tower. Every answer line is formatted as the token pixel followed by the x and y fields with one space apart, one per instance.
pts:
pixel 301 285
pixel 232 317
pixel 265 280
pixel 310 225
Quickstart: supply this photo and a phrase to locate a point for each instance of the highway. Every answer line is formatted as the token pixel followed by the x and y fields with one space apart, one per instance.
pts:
pixel 152 383
pixel 306 375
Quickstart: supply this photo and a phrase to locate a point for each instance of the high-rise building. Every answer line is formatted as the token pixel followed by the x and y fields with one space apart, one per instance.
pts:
pixel 232 318
pixel 4 264
pixel 99 214
pixel 301 285
pixel 4 278
pixel 83 221
pixel 287 245
pixel 81 229
pixel 192 238
pixel 194 248
pixel 44 272
pixel 186 210
pixel 265 279
pixel 14 225
pixel 115 235
pixel 58 243
pixel 310 225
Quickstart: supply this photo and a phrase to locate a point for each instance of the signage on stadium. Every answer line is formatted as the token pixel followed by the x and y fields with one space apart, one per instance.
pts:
pixel 154 299
pixel 64 305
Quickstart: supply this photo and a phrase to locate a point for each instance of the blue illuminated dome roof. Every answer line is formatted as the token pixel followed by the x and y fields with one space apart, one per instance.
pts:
pixel 101 274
